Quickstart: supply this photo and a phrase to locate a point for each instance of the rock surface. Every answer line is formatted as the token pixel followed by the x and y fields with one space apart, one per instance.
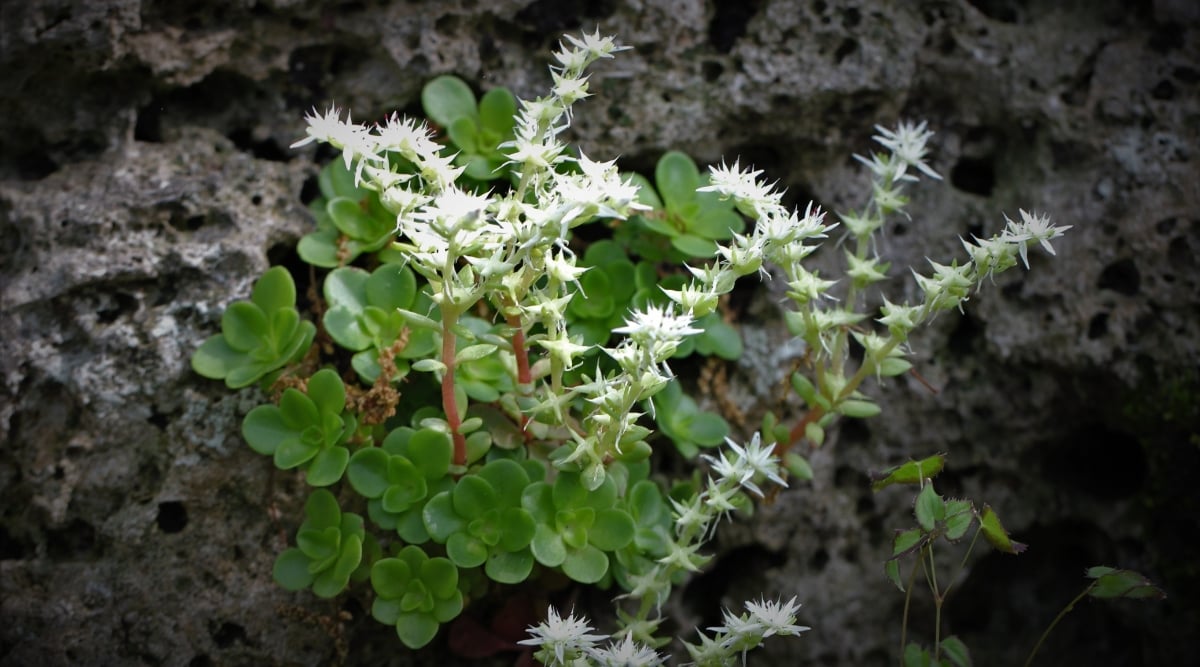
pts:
pixel 145 182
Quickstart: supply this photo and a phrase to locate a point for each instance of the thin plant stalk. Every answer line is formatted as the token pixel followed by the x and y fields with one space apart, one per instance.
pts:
pixel 1065 610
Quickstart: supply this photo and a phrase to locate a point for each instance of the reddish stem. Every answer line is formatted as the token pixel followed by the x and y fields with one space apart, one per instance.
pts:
pixel 798 431
pixel 449 402
pixel 524 377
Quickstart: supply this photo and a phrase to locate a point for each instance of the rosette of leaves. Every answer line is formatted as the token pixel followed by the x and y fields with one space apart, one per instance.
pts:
pixel 681 419
pixel 416 594
pixel 329 550
pixel 481 371
pixel 477 131
pixel 693 221
pixel 258 336
pixel 398 478
pixel 604 292
pixel 363 316
pixel 652 525
pixel 306 431
pixel 482 521
pixel 350 220
pixel 576 527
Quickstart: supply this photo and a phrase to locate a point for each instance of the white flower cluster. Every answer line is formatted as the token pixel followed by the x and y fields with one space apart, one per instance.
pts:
pixel 742 633
pixel 567 641
pixel 737 469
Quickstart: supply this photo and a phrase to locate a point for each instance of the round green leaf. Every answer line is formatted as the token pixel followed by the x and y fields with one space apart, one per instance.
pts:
pixel 337 180
pixel 347 286
pixel 440 518
pixel 390 577
pixel 595 299
pixel 293 453
pixel 298 411
pixel 720 339
pixel 410 527
pixel 274 290
pixel 446 99
pixel 547 546
pixel 603 252
pixel 244 326
pixel 322 510
pixel 466 550
pixel 352 221
pixel 497 112
pixel 716 224
pixel 677 178
pixel 330 583
pixel 694 246
pixel 508 479
pixel 214 359
pixel 327 466
pixel 568 491
pixel 517 529
pixel 587 565
pixel 264 430
pixel 707 429
pixel 326 390
pixel 319 248
pixel 613 529
pixel 416 629
pixel 391 286
pixel 291 570
pixel 407 485
pixel 319 544
pixel 465 134
pixel 440 576
pixel 366 364
pixel 343 327
pixel 509 567
pixel 367 472
pixel 473 496
pixel 446 609
pixel 646 193
pixel 538 500
pixel 348 560
pixel 431 452
pixel 386 610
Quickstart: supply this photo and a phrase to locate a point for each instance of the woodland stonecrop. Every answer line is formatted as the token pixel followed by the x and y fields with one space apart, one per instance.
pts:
pixel 521 442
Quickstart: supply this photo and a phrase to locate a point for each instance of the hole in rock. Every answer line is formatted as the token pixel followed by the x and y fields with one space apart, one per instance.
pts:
pixel 974 175
pixel 1099 461
pixel 75 541
pixel 1121 277
pixel 964 339
pixel 1004 11
pixel 737 573
pixel 172 516
pixel 228 633
pixel 729 22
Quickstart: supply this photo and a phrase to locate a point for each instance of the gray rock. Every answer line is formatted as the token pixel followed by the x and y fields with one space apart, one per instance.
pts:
pixel 145 182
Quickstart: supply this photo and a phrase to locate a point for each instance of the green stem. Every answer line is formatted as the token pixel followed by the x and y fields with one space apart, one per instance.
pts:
pixel 1065 610
pixel 962 564
pixel 937 606
pixel 912 578
pixel 449 400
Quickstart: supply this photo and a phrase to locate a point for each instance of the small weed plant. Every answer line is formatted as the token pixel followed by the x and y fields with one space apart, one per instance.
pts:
pixel 484 390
